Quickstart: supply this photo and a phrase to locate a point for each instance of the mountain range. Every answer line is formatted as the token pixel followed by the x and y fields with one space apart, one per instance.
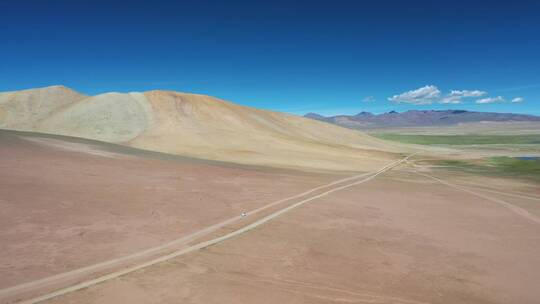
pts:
pixel 193 125
pixel 417 118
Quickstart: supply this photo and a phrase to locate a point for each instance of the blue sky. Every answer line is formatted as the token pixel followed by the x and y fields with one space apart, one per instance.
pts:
pixel 294 56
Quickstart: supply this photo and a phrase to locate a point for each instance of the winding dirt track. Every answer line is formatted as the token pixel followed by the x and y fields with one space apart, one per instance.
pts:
pixel 73 274
pixel 515 209
pixel 511 194
pixel 78 274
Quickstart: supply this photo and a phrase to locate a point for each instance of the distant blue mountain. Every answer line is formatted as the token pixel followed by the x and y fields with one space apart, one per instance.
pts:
pixel 416 118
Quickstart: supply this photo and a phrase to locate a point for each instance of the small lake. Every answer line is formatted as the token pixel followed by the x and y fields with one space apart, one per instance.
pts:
pixel 528 158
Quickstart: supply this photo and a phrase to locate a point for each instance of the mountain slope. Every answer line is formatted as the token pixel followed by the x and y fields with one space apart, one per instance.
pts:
pixel 416 118
pixel 200 126
pixel 24 110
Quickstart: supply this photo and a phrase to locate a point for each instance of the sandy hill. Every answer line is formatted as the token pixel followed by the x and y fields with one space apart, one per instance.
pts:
pixel 24 110
pixel 193 125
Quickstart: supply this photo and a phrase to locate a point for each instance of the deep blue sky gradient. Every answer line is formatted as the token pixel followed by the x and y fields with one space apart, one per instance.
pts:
pixel 293 56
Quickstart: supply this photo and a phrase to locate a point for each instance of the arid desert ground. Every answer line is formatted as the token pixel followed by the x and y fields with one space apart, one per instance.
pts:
pixel 179 201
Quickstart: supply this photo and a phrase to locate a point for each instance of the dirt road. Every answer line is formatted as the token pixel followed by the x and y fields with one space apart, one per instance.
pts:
pixel 515 209
pixel 78 274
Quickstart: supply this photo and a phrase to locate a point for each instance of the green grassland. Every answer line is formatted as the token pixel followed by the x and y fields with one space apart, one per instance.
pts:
pixel 498 166
pixel 461 139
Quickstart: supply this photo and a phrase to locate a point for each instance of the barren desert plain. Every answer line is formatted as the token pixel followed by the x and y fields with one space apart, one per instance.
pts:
pixel 165 197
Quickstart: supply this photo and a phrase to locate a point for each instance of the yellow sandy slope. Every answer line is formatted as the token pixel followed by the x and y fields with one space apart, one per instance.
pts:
pixel 194 125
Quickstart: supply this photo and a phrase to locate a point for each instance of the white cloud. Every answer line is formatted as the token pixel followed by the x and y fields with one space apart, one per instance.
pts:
pixel 451 100
pixel 456 96
pixel 467 93
pixel 430 94
pixel 490 100
pixel 423 95
pixel 368 99
pixel 518 99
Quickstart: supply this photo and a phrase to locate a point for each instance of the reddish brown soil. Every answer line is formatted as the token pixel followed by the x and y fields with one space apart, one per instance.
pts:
pixel 399 238
pixel 65 205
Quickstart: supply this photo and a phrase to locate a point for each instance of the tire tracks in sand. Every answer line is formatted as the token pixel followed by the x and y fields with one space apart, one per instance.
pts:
pixel 513 208
pixel 73 275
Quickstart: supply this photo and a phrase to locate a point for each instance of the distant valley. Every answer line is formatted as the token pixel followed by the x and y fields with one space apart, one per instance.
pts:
pixel 417 118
